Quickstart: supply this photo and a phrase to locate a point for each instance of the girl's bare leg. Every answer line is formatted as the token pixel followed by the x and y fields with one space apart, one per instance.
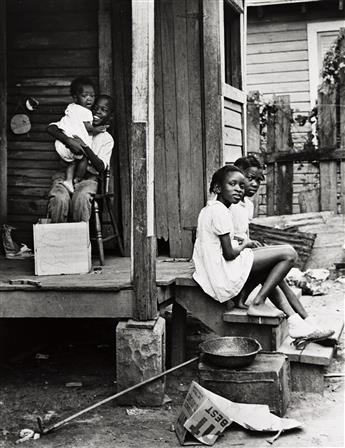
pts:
pixel 272 263
pixel 293 300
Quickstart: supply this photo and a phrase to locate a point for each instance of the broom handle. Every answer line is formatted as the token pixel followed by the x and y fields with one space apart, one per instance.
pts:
pixel 119 394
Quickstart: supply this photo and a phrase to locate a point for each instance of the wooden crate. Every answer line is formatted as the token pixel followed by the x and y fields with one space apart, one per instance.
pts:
pixel 62 248
pixel 265 381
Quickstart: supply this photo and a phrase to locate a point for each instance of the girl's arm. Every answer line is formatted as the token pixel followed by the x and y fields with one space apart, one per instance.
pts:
pixel 230 252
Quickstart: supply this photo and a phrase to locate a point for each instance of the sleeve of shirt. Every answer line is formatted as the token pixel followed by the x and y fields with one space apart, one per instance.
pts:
pixel 221 221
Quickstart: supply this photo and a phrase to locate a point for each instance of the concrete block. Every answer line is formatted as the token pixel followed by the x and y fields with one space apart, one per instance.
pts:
pixel 140 355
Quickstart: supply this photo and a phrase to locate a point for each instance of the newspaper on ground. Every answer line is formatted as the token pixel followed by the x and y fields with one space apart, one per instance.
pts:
pixel 205 415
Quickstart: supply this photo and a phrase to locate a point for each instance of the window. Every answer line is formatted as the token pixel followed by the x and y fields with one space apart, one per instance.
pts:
pixel 232 44
pixel 321 35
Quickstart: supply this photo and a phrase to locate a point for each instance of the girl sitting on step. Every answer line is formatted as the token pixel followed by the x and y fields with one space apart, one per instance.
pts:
pixel 224 267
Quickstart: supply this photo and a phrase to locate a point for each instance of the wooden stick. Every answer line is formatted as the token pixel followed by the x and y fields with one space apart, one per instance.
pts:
pixel 112 397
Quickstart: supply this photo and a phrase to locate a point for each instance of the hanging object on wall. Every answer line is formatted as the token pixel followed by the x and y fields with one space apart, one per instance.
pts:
pixel 20 124
pixel 31 104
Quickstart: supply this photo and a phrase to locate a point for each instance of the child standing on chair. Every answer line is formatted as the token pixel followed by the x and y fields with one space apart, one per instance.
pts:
pixel 78 122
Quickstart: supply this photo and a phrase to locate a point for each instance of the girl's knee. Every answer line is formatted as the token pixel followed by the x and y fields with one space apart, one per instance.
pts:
pixel 290 254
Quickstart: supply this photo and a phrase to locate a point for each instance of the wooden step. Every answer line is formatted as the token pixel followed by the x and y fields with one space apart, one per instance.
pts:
pixel 307 365
pixel 270 331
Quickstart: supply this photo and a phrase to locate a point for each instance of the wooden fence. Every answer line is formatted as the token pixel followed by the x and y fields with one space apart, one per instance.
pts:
pixel 323 186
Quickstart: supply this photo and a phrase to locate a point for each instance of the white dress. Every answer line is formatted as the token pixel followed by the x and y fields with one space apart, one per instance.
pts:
pixel 72 123
pixel 219 278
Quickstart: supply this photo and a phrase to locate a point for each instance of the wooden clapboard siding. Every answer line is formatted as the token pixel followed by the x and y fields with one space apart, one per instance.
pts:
pixel 277 50
pixel 277 58
pixel 179 178
pixel 232 133
pixel 48 45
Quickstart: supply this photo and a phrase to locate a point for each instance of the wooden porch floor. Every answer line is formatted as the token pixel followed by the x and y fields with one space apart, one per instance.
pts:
pixel 104 293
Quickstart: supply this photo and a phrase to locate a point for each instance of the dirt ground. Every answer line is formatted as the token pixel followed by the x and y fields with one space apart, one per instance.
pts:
pixel 84 352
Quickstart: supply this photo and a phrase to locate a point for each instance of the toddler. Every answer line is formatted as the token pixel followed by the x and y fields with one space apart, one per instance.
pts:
pixel 77 122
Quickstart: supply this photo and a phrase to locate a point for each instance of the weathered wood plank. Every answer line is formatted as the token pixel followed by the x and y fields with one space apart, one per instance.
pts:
pixel 284 188
pixel 105 47
pixel 213 100
pixel 142 156
pixel 183 125
pixel 122 94
pixel 253 124
pixel 327 119
pixel 161 193
pixel 303 156
pixel 195 107
pixel 277 67
pixel 3 113
pixel 52 21
pixel 274 47
pixel 170 127
pixel 270 189
pixel 277 36
pixel 54 40
pixel 300 55
pixel 232 136
pixel 277 77
pixel 328 186
pixel 84 57
pixel 232 119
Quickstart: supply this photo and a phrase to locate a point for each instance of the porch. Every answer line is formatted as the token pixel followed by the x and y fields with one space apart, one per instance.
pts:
pixel 103 293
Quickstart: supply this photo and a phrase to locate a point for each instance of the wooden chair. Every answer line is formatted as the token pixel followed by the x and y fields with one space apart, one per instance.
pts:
pixel 101 202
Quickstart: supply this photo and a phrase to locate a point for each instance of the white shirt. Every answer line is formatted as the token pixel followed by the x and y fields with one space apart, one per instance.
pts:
pixel 102 145
pixel 241 214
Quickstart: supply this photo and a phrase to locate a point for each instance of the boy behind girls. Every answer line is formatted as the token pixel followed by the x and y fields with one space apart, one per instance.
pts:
pixel 77 122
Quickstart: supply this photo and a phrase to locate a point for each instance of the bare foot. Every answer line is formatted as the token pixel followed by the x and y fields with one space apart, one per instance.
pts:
pixel 240 300
pixel 263 310
pixel 229 305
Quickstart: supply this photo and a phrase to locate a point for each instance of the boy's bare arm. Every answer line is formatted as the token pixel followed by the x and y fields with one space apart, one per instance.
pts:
pixel 71 143
pixel 93 130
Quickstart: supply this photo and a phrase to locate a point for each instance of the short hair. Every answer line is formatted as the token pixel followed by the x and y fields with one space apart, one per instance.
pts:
pixel 78 83
pixel 110 100
pixel 248 162
pixel 219 176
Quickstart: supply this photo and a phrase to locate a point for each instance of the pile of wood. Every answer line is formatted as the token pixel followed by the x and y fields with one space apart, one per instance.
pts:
pixel 302 242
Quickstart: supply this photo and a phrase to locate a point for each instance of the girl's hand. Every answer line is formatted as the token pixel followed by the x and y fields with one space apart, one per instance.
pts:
pixel 248 243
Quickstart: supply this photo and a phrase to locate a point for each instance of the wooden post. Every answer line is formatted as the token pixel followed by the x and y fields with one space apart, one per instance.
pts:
pixel 342 135
pixel 143 251
pixel 105 58
pixel 3 114
pixel 327 120
pixel 212 12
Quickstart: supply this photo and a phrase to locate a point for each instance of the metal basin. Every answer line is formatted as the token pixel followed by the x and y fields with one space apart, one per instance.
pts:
pixel 231 351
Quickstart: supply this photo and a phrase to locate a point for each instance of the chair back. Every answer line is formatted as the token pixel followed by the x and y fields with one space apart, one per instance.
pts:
pixel 104 182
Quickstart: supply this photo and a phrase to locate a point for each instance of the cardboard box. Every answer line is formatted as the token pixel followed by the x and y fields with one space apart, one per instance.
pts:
pixel 62 248
pixel 200 419
pixel 265 381
pixel 205 415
